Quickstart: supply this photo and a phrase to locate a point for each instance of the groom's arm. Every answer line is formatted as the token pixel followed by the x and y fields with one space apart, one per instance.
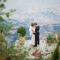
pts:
pixel 37 29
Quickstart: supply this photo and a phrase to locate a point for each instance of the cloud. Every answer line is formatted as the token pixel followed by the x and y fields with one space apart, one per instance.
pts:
pixel 42 20
pixel 32 11
pixel 15 16
pixel 58 11
pixel 41 15
pixel 23 17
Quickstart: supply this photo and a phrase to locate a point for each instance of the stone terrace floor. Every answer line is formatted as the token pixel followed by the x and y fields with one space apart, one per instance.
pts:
pixel 44 48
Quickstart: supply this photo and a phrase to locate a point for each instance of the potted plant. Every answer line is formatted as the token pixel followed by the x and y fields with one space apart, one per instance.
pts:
pixel 22 32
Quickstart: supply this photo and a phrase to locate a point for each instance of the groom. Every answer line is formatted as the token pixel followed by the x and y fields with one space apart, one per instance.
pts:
pixel 36 34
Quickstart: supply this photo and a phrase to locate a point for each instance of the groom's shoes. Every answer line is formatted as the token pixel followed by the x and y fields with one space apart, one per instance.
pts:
pixel 34 46
pixel 38 44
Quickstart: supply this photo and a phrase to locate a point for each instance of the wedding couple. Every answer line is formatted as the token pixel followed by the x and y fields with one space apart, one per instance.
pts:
pixel 34 32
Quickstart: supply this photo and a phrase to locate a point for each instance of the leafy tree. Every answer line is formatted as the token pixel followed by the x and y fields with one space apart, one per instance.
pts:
pixel 5 25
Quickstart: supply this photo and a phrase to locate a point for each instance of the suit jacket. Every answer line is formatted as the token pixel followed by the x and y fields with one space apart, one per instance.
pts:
pixel 37 30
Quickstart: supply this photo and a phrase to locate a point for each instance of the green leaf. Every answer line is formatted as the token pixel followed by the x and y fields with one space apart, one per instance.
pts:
pixel 2 6
pixel 1 19
pixel 2 38
pixel 7 14
pixel 12 10
pixel 4 0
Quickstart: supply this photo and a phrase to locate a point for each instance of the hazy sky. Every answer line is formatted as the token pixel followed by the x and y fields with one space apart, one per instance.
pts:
pixel 25 5
pixel 46 11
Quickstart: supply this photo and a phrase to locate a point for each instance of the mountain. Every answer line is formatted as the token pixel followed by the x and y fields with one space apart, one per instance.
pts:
pixel 43 29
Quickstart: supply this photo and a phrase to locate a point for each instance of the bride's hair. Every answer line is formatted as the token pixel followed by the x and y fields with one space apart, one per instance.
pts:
pixel 35 23
pixel 32 24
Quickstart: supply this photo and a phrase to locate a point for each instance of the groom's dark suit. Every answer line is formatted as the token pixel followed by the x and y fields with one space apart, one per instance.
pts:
pixel 37 35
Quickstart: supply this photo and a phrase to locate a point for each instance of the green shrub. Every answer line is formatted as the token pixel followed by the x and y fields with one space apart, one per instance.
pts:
pixel 22 31
pixel 55 53
pixel 1 38
pixel 49 38
pixel 58 35
pixel 3 45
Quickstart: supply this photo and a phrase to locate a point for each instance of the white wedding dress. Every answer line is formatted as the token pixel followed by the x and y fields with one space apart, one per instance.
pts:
pixel 32 41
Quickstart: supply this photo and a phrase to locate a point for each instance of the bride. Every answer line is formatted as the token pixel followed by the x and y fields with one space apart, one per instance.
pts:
pixel 32 30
